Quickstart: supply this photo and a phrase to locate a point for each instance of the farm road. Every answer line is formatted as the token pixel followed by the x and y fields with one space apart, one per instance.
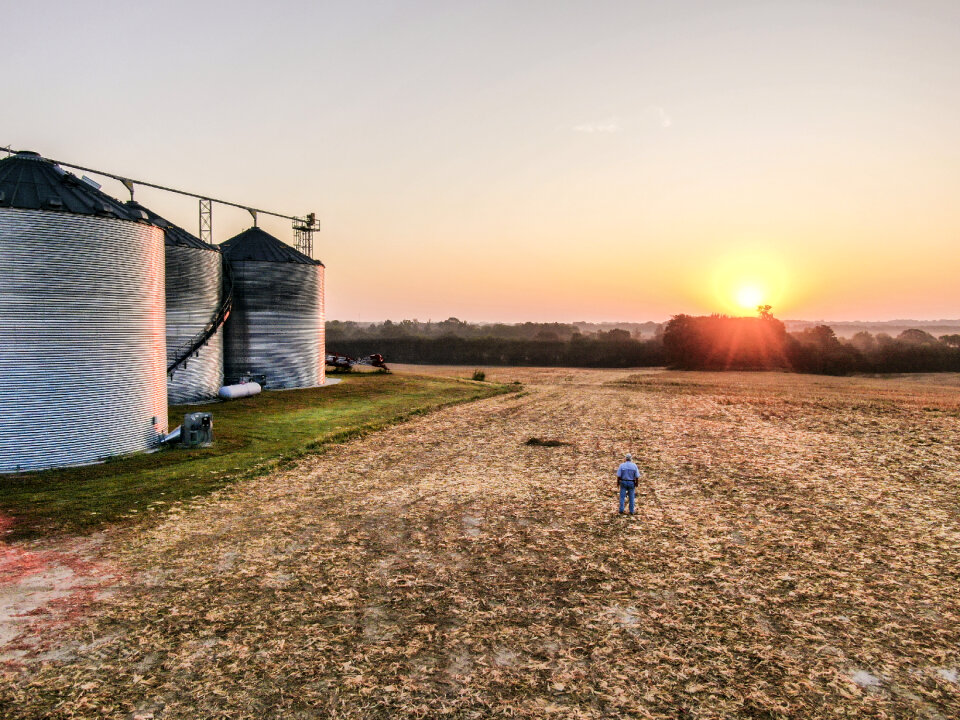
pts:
pixel 796 554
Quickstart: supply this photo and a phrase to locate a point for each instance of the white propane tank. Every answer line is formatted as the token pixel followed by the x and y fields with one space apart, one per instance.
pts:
pixel 232 392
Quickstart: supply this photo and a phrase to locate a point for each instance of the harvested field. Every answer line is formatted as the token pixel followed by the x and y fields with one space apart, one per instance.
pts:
pixel 796 554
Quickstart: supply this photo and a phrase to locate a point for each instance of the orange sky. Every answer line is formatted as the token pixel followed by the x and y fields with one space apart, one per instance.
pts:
pixel 551 161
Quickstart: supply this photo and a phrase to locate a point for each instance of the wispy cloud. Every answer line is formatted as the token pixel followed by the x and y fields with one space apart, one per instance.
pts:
pixel 615 123
pixel 610 125
pixel 665 120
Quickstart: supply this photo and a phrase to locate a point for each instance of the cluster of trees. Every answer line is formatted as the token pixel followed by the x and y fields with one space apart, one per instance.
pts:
pixel 717 342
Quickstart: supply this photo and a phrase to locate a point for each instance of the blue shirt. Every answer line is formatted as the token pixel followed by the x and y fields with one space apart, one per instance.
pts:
pixel 628 472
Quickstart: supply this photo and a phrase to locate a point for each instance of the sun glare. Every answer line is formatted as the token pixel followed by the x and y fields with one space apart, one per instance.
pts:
pixel 749 297
pixel 744 278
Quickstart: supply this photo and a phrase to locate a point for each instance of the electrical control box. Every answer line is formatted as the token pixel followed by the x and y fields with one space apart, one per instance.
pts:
pixel 197 430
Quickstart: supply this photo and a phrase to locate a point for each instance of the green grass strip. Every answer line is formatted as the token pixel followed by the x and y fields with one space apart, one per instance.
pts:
pixel 252 436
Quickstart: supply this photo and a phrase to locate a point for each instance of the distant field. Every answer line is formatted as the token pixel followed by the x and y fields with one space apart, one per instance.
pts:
pixel 796 555
pixel 251 436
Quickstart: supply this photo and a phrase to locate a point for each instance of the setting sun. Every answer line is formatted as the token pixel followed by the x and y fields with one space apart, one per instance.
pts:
pixel 745 276
pixel 749 297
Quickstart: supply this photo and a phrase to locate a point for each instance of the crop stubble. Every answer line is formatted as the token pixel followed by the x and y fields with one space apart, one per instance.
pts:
pixel 795 554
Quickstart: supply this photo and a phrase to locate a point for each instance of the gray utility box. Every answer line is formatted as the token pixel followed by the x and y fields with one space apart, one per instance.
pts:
pixel 197 430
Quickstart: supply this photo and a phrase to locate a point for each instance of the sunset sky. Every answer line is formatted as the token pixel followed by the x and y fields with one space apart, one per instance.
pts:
pixel 533 160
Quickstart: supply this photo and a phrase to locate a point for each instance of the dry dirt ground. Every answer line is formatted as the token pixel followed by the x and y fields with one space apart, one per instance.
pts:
pixel 796 554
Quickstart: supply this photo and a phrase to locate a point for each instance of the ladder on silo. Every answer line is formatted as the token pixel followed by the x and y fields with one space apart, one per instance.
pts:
pixel 185 351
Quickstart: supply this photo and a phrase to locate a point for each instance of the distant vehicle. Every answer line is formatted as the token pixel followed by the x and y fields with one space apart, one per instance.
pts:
pixel 345 362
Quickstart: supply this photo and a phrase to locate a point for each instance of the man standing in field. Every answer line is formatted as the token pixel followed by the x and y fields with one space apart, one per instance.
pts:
pixel 627 475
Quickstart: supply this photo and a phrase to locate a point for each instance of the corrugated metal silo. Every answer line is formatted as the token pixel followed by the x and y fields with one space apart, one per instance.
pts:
pixel 276 327
pixel 194 277
pixel 82 351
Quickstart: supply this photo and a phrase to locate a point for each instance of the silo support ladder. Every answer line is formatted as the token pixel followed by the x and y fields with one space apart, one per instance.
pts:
pixel 208 331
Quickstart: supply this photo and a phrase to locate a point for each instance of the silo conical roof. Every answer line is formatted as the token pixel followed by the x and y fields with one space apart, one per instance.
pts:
pixel 31 182
pixel 172 234
pixel 259 246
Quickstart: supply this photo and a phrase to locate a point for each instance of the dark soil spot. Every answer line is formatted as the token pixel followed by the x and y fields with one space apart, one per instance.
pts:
pixel 540 442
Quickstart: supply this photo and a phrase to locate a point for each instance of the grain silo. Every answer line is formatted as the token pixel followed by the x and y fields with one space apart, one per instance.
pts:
pixel 82 351
pixel 276 327
pixel 194 278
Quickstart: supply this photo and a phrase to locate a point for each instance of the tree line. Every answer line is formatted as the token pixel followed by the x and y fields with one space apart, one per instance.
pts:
pixel 339 330
pixel 711 342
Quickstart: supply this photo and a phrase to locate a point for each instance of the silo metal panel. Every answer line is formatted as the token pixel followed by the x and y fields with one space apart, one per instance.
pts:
pixel 82 347
pixel 193 284
pixel 322 303
pixel 276 326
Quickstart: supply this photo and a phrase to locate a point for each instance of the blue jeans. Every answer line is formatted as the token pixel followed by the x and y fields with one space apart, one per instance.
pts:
pixel 628 487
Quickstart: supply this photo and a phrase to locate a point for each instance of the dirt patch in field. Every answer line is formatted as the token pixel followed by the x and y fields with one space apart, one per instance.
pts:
pixel 44 588
pixel 794 555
